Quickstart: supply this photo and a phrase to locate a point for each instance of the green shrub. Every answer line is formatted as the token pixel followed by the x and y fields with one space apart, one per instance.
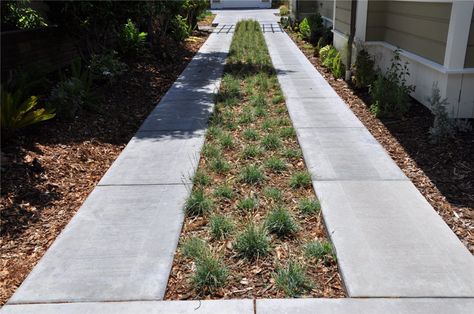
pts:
pixel 18 111
pixel 292 279
pixel 251 174
pixel 300 179
pixel 253 242
pixel 201 178
pixel 273 193
pixel 324 52
pixel 309 206
pixel 280 222
pixel 224 191
pixel 390 95
pixel 247 204
pixel 284 10
pixel 320 250
pixel 221 226
pixel 67 97
pixel 271 142
pixel 250 135
pixel 305 29
pixel 329 60
pixel 210 274
pixel 251 151
pixel 195 248
pixel 198 204
pixel 106 67
pixel 180 28
pixel 275 164
pixel 131 40
pixel 364 73
pixel 219 165
pixel 443 127
pixel 337 68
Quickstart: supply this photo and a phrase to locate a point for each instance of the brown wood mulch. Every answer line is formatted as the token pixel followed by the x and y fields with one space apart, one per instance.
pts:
pixel 48 170
pixel 443 173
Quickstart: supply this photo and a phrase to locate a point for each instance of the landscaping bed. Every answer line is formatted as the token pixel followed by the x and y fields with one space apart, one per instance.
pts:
pixel 48 170
pixel 443 172
pixel 253 227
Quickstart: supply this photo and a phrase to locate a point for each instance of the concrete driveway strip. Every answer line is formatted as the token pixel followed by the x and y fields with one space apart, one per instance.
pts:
pixel 390 242
pixel 121 243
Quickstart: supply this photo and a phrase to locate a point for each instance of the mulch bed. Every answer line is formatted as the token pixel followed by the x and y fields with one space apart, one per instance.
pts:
pixel 443 173
pixel 253 278
pixel 49 169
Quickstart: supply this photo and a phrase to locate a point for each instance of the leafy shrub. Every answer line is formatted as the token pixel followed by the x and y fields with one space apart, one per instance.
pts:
pixel 292 279
pixel 281 222
pixel 285 22
pixel 251 174
pixel 364 73
pixel 224 191
pixel 320 250
pixel 337 68
pixel 247 204
pixel 443 126
pixel 284 10
pixel 329 59
pixel 67 97
pixel 221 226
pixel 18 111
pixel 309 206
pixel 300 179
pixel 20 15
pixel 106 67
pixel 324 52
pixel 198 204
pixel 253 242
pixel 275 164
pixel 131 40
pixel 210 274
pixel 305 29
pixel 390 95
pixel 180 28
pixel 195 248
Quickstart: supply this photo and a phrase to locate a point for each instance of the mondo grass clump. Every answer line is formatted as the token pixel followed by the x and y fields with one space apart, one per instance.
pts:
pixel 280 222
pixel 292 279
pixel 253 242
pixel 251 210
pixel 320 250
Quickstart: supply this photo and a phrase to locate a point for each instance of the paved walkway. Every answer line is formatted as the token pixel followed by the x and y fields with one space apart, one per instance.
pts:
pixel 390 242
pixel 115 255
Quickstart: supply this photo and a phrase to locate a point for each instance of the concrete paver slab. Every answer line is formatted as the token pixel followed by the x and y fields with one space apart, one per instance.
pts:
pixel 315 87
pixel 365 306
pixel 141 307
pixel 119 246
pixel 157 157
pixel 391 243
pixel 321 113
pixel 346 154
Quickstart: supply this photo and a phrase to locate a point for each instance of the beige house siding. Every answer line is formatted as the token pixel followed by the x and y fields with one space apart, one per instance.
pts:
pixel 343 16
pixel 469 61
pixel 326 8
pixel 418 27
pixel 305 8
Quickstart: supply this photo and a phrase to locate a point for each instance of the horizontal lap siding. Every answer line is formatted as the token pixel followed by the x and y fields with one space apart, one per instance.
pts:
pixel 326 8
pixel 418 27
pixel 343 16
pixel 469 61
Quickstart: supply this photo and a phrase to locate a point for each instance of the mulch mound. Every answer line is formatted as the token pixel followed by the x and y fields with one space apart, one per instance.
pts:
pixel 443 173
pixel 49 169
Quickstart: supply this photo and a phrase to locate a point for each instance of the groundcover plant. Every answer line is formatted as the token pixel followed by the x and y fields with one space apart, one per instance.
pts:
pixel 252 216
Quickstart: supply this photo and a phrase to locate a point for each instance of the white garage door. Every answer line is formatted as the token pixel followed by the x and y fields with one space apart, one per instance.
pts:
pixel 229 4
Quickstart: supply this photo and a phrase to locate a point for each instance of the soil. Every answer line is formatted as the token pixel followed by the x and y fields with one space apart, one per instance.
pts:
pixel 443 173
pixel 48 170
